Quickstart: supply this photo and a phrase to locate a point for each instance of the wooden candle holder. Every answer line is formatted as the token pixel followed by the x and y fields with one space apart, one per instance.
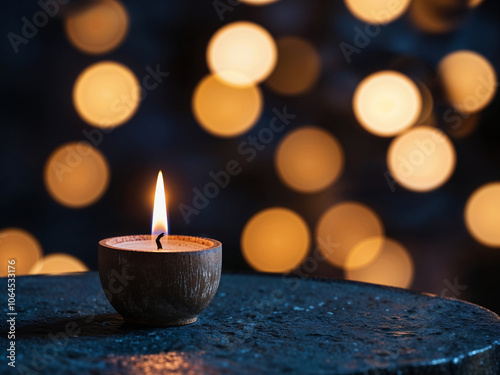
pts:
pixel 160 288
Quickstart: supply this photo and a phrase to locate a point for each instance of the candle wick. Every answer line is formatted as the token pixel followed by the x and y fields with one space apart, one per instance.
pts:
pixel 158 243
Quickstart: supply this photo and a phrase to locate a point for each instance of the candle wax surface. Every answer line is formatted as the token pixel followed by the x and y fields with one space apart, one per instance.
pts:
pixel 169 245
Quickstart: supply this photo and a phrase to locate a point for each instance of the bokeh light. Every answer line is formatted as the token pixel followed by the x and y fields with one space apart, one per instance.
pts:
pixel 482 214
pixel 275 240
pixel 380 11
pixel 225 110
pixel 242 53
pixel 363 253
pixel 422 159
pixel 475 3
pixel 462 125
pixel 386 103
pixel 258 2
pixel 436 17
pixel 392 266
pixel 342 227
pixel 106 94
pixel 58 264
pixel 76 174
pixel 309 159
pixel 427 108
pixel 21 246
pixel 297 69
pixel 98 26
pixel 468 79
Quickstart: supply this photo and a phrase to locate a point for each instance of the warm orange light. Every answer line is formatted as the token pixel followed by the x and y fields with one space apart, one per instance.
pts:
pixel 380 11
pixel 57 264
pixel 482 214
pixel 430 17
pixel 342 227
pixel 275 240
pixel 386 103
pixel 21 246
pixel 469 80
pixel 224 110
pixel 474 3
pixel 364 253
pixel 97 26
pixel 106 94
pixel 160 219
pixel 242 53
pixel 76 174
pixel 298 67
pixel 426 111
pixel 309 159
pixel 463 125
pixel 392 265
pixel 422 159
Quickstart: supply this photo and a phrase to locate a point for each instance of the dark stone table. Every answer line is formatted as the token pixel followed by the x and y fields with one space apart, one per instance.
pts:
pixel 255 324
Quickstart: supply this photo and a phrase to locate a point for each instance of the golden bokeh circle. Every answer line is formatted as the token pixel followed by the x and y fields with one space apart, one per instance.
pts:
pixel 76 174
pixel 392 266
pixel 106 94
pixel 375 12
pixel 342 227
pixel 21 246
pixel 59 263
pixel 224 110
pixel 387 103
pixel 242 53
pixel 482 214
pixel 309 159
pixel 364 253
pixel 427 108
pixel 275 240
pixel 469 80
pixel 472 3
pixel 422 159
pixel 298 67
pixel 97 27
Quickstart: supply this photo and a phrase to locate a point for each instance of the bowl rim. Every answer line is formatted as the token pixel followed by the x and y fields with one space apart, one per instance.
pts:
pixel 110 242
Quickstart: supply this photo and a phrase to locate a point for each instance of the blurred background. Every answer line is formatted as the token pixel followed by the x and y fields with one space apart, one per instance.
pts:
pixel 343 139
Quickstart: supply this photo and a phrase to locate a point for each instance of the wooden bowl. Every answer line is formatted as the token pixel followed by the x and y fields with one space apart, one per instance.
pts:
pixel 159 288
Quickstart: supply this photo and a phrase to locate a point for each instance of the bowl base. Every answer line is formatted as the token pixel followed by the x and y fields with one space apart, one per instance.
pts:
pixel 169 323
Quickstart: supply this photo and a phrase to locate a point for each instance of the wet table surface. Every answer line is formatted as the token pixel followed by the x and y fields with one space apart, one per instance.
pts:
pixel 255 324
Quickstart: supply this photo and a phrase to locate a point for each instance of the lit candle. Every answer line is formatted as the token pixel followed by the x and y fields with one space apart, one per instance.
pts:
pixel 166 279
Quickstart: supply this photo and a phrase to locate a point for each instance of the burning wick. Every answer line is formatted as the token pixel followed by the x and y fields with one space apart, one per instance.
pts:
pixel 158 243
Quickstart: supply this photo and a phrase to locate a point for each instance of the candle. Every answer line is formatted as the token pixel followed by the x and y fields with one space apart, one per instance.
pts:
pixel 166 280
pixel 147 243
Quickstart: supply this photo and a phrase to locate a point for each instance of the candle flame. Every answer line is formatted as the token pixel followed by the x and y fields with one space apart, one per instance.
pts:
pixel 160 219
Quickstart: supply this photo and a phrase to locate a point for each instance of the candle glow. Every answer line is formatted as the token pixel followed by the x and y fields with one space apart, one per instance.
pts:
pixel 160 219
